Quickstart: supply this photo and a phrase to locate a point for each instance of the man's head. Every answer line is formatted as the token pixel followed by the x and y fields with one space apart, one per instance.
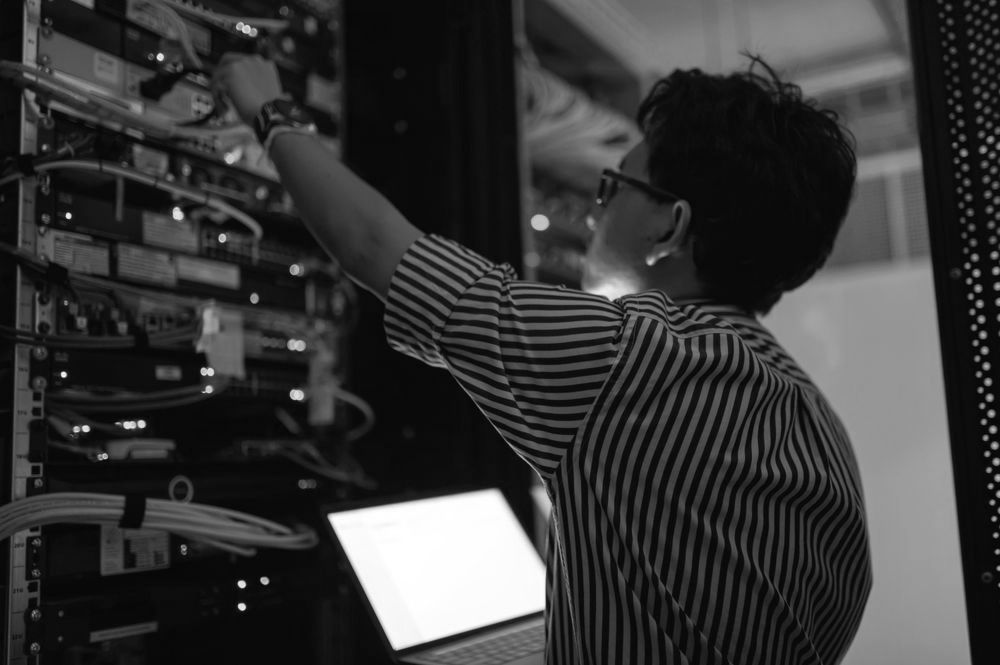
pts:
pixel 765 180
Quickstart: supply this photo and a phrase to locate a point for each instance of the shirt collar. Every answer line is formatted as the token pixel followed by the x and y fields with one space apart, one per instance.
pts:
pixel 716 306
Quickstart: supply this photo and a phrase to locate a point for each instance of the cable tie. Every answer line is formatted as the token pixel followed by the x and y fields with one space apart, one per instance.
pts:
pixel 140 336
pixel 57 274
pixel 134 512
pixel 26 164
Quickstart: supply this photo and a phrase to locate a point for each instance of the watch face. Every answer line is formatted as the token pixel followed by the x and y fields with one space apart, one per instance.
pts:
pixel 281 112
pixel 291 110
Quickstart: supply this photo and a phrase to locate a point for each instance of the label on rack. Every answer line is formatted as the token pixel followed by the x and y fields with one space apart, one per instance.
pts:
pixel 149 160
pixel 146 265
pixel 165 231
pixel 133 550
pixel 78 252
pixel 205 271
pixel 168 373
pixel 107 68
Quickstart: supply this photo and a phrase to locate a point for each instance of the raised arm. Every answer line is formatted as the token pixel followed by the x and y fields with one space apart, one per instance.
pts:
pixel 353 222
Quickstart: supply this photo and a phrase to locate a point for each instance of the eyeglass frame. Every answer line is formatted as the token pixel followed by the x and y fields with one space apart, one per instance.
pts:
pixel 618 178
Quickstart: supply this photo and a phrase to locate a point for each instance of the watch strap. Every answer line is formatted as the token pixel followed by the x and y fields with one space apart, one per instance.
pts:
pixel 271 116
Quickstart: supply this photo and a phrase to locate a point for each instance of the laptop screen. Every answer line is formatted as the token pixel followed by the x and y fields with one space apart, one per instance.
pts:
pixel 432 568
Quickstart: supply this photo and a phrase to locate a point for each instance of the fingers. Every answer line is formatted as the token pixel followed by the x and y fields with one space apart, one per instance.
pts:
pixel 230 64
pixel 226 65
pixel 223 73
pixel 245 82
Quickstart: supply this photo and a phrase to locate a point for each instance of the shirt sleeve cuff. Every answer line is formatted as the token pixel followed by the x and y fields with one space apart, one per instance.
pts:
pixel 430 278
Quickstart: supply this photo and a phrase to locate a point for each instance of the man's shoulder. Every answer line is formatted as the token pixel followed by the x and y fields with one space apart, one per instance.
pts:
pixel 682 319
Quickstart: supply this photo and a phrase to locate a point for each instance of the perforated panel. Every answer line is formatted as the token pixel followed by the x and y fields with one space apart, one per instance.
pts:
pixel 974 59
pixel 956 49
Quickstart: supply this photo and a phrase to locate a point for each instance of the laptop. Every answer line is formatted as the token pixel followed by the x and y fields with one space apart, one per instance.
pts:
pixel 450 579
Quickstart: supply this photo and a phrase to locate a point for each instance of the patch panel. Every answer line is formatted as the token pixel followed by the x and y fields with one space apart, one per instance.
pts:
pixel 116 47
pixel 151 267
pixel 84 620
pixel 259 195
pixel 267 334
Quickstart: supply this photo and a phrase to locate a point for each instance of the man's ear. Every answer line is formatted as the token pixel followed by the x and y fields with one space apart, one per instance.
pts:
pixel 673 240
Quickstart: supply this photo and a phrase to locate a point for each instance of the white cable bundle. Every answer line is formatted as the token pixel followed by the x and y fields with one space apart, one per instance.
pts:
pixel 568 134
pixel 226 529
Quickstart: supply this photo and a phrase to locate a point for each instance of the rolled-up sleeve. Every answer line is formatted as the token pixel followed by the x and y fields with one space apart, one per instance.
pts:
pixel 532 356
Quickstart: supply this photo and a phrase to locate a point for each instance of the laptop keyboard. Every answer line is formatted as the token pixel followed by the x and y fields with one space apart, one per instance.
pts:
pixel 495 649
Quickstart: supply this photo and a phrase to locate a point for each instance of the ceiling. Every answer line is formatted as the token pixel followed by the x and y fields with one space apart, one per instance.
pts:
pixel 821 44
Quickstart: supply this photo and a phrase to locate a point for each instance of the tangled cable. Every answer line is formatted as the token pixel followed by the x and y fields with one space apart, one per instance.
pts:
pixel 568 134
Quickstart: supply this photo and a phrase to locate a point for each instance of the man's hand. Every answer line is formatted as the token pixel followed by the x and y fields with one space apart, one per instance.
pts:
pixel 247 81
pixel 352 222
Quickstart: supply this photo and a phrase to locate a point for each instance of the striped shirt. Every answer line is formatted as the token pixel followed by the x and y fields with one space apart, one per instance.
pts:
pixel 706 502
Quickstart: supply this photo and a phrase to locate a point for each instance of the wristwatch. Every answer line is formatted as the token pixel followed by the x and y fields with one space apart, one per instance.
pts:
pixel 281 113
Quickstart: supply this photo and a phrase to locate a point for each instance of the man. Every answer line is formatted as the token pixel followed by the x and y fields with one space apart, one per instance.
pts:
pixel 707 506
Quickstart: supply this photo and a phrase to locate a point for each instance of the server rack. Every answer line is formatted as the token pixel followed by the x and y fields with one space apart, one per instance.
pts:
pixel 262 414
pixel 170 333
pixel 955 50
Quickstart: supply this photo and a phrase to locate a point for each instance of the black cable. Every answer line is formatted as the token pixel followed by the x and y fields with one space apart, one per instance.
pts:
pixel 138 339
pixel 163 81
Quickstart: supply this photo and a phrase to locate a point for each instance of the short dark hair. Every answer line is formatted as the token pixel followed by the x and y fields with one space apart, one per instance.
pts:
pixel 768 174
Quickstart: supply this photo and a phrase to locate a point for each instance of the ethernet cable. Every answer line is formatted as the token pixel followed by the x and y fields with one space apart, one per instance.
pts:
pixel 167 338
pixel 87 283
pixel 179 27
pixel 83 451
pixel 305 454
pixel 310 459
pixel 188 193
pixel 118 402
pixel 55 273
pixel 117 443
pixel 110 109
pixel 66 149
pixel 366 412
pixel 226 529
pixel 227 21
pixel 63 421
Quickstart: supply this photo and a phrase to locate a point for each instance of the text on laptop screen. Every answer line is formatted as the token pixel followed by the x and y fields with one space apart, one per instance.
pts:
pixel 436 567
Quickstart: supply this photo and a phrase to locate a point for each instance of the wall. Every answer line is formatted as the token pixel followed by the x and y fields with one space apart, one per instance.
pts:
pixel 868 337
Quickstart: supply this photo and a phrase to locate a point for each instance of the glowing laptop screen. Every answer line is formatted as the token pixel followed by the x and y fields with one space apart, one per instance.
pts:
pixel 436 567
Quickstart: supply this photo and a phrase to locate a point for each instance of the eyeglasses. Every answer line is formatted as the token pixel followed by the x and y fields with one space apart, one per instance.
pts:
pixel 612 181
